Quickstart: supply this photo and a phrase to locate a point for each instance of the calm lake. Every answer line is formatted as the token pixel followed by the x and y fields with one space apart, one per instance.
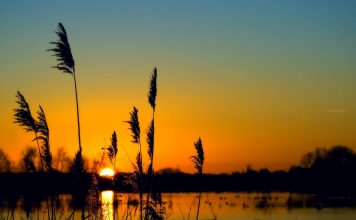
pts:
pixel 222 206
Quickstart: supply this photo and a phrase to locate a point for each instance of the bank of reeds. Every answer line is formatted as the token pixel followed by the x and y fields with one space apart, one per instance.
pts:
pixel 39 127
pixel 143 179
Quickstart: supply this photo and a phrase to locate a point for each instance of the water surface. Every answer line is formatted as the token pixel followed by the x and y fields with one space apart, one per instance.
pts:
pixel 224 206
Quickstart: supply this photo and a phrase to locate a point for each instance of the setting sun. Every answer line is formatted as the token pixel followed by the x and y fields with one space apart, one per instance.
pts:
pixel 178 109
pixel 107 172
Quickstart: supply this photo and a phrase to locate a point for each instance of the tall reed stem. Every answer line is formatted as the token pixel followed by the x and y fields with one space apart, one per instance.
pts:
pixel 39 151
pixel 140 184
pixel 77 104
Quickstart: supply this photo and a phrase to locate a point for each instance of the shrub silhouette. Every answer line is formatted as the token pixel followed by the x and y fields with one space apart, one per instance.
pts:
pixel 5 163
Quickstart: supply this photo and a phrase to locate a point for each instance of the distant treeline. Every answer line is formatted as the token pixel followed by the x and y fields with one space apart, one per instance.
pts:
pixel 322 171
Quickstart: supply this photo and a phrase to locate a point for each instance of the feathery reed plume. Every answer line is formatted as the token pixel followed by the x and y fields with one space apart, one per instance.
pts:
pixel 136 138
pixel 23 115
pixel 150 139
pixel 152 94
pixel 43 130
pixel 198 161
pixel 112 149
pixel 134 126
pixel 62 51
pixel 66 64
pixel 153 89
pixel 24 118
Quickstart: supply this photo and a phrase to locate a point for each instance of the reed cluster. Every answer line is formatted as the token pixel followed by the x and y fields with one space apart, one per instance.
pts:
pixel 143 179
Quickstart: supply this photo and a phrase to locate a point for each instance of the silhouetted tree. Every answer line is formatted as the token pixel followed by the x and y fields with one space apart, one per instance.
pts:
pixel 61 161
pixel 337 160
pixel 5 163
pixel 337 157
pixel 307 160
pixel 28 160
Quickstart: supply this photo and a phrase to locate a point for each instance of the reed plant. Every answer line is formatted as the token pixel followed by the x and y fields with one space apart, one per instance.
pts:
pixel 138 167
pixel 40 128
pixel 23 117
pixel 62 51
pixel 198 161
pixel 152 191
pixel 46 156
pixel 112 149
pixel 43 136
pixel 143 181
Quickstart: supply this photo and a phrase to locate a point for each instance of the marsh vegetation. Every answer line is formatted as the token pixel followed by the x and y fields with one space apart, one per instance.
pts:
pixel 43 185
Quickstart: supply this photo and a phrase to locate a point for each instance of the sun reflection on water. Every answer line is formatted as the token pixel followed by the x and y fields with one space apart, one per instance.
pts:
pixel 107 199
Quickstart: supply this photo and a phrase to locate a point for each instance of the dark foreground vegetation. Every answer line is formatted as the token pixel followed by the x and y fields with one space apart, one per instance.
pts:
pixel 327 171
pixel 40 175
pixel 302 180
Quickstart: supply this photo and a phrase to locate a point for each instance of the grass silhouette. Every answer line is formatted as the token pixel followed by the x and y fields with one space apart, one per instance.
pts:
pixel 198 161
pixel 138 167
pixel 112 149
pixel 152 94
pixel 40 128
pixel 24 118
pixel 66 64
pixel 43 131
pixel 143 180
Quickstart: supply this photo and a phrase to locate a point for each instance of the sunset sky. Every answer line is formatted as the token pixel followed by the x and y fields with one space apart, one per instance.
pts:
pixel 261 82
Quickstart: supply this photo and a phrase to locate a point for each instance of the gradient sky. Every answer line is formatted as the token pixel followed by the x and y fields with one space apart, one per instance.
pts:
pixel 261 82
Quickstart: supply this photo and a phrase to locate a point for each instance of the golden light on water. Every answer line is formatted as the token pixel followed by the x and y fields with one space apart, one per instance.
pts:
pixel 107 172
pixel 107 198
